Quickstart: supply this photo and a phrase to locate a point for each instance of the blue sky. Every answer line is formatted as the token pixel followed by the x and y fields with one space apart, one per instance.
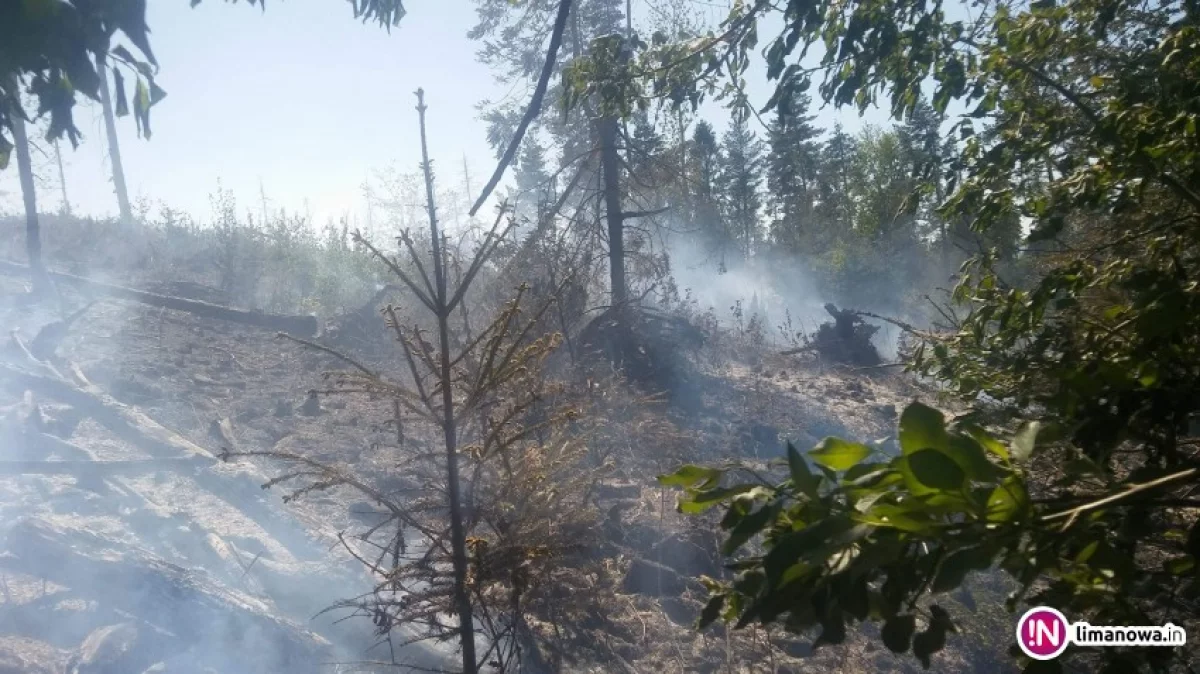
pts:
pixel 302 99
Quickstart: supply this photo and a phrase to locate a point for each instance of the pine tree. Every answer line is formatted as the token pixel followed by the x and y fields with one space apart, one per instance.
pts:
pixel 834 208
pixel 645 153
pixel 792 171
pixel 921 143
pixel 704 156
pixel 739 178
pixel 533 183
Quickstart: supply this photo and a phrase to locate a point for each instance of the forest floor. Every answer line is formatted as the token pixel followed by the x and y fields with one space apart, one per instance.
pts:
pixel 82 553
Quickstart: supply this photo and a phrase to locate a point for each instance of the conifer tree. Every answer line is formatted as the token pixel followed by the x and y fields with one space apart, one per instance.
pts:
pixel 792 171
pixel 740 177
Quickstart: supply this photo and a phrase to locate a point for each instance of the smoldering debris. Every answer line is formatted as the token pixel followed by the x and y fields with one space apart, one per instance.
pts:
pixel 649 346
pixel 846 339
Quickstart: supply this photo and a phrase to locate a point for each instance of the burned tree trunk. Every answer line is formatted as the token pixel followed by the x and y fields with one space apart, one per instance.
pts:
pixel 33 232
pixel 114 146
pixel 301 325
pixel 844 321
pixel 609 164
pixel 846 340
pixel 90 469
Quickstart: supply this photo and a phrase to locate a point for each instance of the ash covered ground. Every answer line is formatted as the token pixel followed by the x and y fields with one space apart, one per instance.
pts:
pixel 143 552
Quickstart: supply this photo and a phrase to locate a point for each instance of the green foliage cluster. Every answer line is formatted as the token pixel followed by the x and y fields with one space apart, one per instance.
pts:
pixel 1078 125
pixel 855 534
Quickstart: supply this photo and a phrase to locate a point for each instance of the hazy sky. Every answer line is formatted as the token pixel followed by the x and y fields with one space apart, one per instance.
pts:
pixel 302 98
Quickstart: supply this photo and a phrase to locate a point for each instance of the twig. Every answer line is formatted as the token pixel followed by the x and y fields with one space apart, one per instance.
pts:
pixel 34 359
pixel 877 367
pixel 1072 514
pixel 249 566
pixel 329 350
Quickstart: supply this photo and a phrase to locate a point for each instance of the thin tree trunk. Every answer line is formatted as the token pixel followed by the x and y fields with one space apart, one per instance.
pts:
pixel 458 544
pixel 114 146
pixel 62 180
pixel 607 127
pixel 33 231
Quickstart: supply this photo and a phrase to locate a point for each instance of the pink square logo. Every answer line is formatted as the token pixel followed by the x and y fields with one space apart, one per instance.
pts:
pixel 1042 633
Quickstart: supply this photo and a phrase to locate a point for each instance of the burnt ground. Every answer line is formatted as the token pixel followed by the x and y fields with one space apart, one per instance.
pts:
pixel 159 569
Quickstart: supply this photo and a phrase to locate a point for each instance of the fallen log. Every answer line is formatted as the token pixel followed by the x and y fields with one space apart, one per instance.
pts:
pixel 127 467
pixel 32 447
pixel 300 325
pixel 240 487
pixel 125 421
pixel 187 602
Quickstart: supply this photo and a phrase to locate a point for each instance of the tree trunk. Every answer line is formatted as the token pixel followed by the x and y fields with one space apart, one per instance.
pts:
pixel 607 128
pixel 62 180
pixel 304 325
pixel 458 538
pixel 114 146
pixel 33 231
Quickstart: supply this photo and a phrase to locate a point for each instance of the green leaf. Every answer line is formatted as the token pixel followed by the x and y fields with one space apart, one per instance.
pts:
pixel 141 108
pixel 6 148
pixel 922 427
pixel 1192 545
pixel 122 104
pixel 933 638
pixel 935 470
pixel 855 597
pixel 838 454
pixel 969 456
pixel 701 501
pixel 986 441
pixel 896 517
pixel 749 526
pixel 954 568
pixel 897 632
pixel 833 630
pixel 1178 566
pixel 925 644
pixel 1007 501
pixel 802 477
pixel 815 542
pixel 712 611
pixel 690 475
pixel 156 93
pixel 1031 435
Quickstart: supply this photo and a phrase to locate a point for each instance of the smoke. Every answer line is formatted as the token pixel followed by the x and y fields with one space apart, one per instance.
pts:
pixel 782 289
